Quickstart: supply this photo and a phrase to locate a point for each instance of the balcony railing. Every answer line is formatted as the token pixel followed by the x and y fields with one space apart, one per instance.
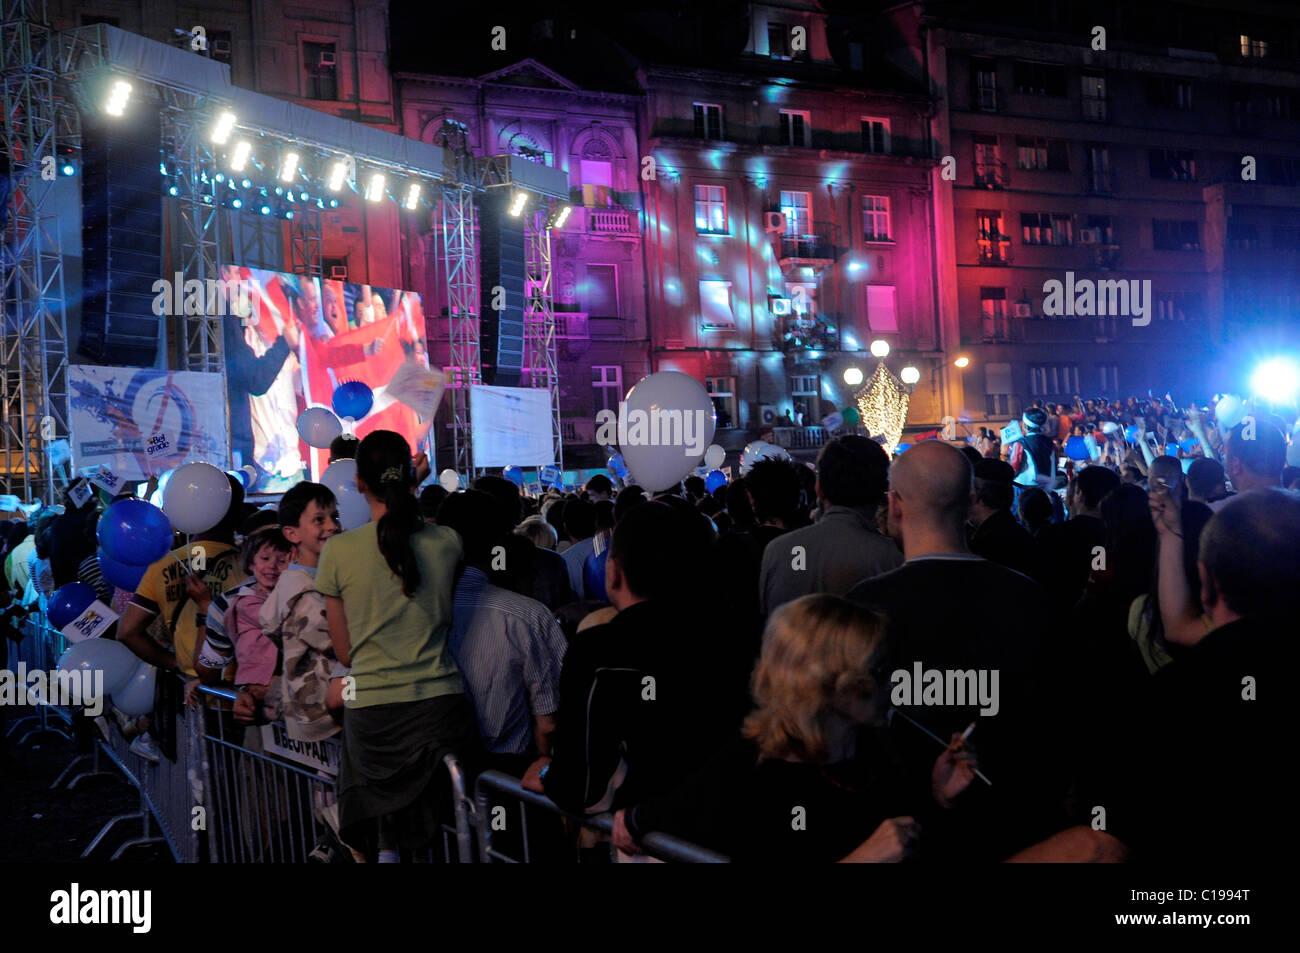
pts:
pixel 799 438
pixel 995 252
pixel 814 247
pixel 814 333
pixel 611 221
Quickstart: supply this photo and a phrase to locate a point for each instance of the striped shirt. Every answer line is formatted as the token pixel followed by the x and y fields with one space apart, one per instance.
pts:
pixel 509 649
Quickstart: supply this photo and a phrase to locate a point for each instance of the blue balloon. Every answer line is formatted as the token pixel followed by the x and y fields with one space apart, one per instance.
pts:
pixel 714 479
pixel 902 448
pixel 123 575
pixel 353 399
pixel 135 532
pixel 1171 449
pixel 1187 445
pixel 617 466
pixel 593 577
pixel 1131 434
pixel 68 602
pixel 1076 448
pixel 514 474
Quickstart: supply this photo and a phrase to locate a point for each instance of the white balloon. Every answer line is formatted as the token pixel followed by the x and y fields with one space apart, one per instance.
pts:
pixel 341 478
pixel 658 466
pixel 714 456
pixel 112 658
pixel 318 426
pixel 1109 426
pixel 1229 411
pixel 449 480
pixel 760 450
pixel 197 497
pixel 135 698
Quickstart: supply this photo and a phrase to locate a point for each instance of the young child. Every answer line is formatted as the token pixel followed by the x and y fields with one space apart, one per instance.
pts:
pixel 232 625
pixel 294 615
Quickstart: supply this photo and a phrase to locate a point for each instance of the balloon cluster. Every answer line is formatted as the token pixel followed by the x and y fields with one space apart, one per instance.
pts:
pixel 132 535
pixel 128 679
pixel 341 478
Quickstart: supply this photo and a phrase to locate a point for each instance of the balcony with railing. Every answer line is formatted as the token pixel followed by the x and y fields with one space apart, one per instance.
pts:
pixel 606 220
pixel 799 333
pixel 995 251
pixel 817 248
pixel 799 438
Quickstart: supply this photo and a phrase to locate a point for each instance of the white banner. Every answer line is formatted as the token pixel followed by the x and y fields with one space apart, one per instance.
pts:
pixel 141 422
pixel 322 755
pixel 511 426
pixel 91 624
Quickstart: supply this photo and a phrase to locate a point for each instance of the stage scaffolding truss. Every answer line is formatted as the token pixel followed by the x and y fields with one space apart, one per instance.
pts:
pixel 43 76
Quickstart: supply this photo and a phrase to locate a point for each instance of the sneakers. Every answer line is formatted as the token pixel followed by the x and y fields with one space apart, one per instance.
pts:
pixel 144 747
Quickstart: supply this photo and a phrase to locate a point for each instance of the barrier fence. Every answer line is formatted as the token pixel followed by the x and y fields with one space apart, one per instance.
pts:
pixel 226 799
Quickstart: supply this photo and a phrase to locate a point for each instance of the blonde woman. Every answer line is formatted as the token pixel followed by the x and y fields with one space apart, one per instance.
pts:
pixel 794 787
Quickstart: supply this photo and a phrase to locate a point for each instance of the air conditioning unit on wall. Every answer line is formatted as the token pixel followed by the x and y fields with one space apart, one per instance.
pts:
pixel 774 222
pixel 768 415
pixel 780 306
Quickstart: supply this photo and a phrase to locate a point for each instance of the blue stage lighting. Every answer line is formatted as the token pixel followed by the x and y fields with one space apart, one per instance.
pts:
pixel 236 202
pixel 162 168
pixel 1277 380
pixel 320 203
pixel 247 183
pixel 334 203
pixel 173 190
pixel 69 169
pixel 303 196
pixel 265 210
pixel 219 177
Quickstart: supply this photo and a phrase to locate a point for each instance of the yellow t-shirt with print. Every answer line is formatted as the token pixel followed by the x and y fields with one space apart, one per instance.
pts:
pixel 163 586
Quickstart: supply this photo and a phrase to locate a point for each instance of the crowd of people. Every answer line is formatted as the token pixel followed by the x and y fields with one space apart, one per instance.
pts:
pixel 727 667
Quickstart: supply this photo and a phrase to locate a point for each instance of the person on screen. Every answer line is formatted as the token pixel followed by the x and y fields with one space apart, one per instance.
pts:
pixel 251 374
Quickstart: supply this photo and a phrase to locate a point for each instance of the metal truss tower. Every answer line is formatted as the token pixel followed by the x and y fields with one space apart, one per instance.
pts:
pixel 540 357
pixel 33 332
pixel 461 260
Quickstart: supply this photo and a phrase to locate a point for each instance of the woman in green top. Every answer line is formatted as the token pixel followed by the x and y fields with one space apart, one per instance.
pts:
pixel 388 595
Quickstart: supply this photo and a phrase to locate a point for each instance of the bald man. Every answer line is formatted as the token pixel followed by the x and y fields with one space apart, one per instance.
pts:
pixel 928 603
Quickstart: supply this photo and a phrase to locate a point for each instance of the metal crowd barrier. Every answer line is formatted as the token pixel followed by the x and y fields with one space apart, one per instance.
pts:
pixel 39 650
pixel 660 846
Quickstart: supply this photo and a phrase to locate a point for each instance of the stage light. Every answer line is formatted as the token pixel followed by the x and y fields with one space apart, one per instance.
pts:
pixel 265 210
pixel 1277 380
pixel 338 175
pixel 517 206
pixel 909 375
pixel 69 169
pixel 563 216
pixel 279 190
pixel 162 168
pixel 118 96
pixel 288 213
pixel 375 190
pixel 247 184
pixel 880 348
pixel 232 201
pixel 243 149
pixel 962 362
pixel 334 203
pixel 412 196
pixel 288 166
pixel 219 177
pixel 225 125
pixel 853 376
pixel 173 190
pixel 303 196
pixel 207 200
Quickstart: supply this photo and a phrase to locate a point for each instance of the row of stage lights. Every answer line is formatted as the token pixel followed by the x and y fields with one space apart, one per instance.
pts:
pixel 341 171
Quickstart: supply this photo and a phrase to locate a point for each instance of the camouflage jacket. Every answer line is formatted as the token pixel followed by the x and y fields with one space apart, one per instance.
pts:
pixel 294 615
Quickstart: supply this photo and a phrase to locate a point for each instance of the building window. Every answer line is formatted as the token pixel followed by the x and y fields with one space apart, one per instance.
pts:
pixel 875 135
pixel 1053 380
pixel 994 244
pixel 715 304
pixel 607 382
pixel 1108 374
pixel 1172 165
pixel 318 63
pixel 1171 235
pixel 219 45
pixel 797 208
pixel 1098 231
pixel 993 313
pixel 597 182
pixel 998 390
pixel 711 209
pixel 708 121
pixel 600 296
pixel 1172 306
pixel 722 391
pixel 1169 92
pixel 882 308
pixel 1035 152
pixel 875 218
pixel 795 126
pixel 778 41
pixel 1046 228
pixel 1099 177
pixel 989 171
pixel 1039 79
pixel 984 85
pixel 1254 48
pixel 1243 236
pixel 1093 93
pixel 1279 104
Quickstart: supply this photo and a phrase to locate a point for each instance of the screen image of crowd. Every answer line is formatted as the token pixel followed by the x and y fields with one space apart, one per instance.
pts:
pixel 969 653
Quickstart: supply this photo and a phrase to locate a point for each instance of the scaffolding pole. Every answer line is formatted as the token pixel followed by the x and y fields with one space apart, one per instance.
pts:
pixel 461 261
pixel 540 357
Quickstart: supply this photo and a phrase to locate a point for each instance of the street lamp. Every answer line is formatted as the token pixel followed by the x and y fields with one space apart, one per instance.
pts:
pixel 962 362
pixel 880 348
pixel 909 375
pixel 853 376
